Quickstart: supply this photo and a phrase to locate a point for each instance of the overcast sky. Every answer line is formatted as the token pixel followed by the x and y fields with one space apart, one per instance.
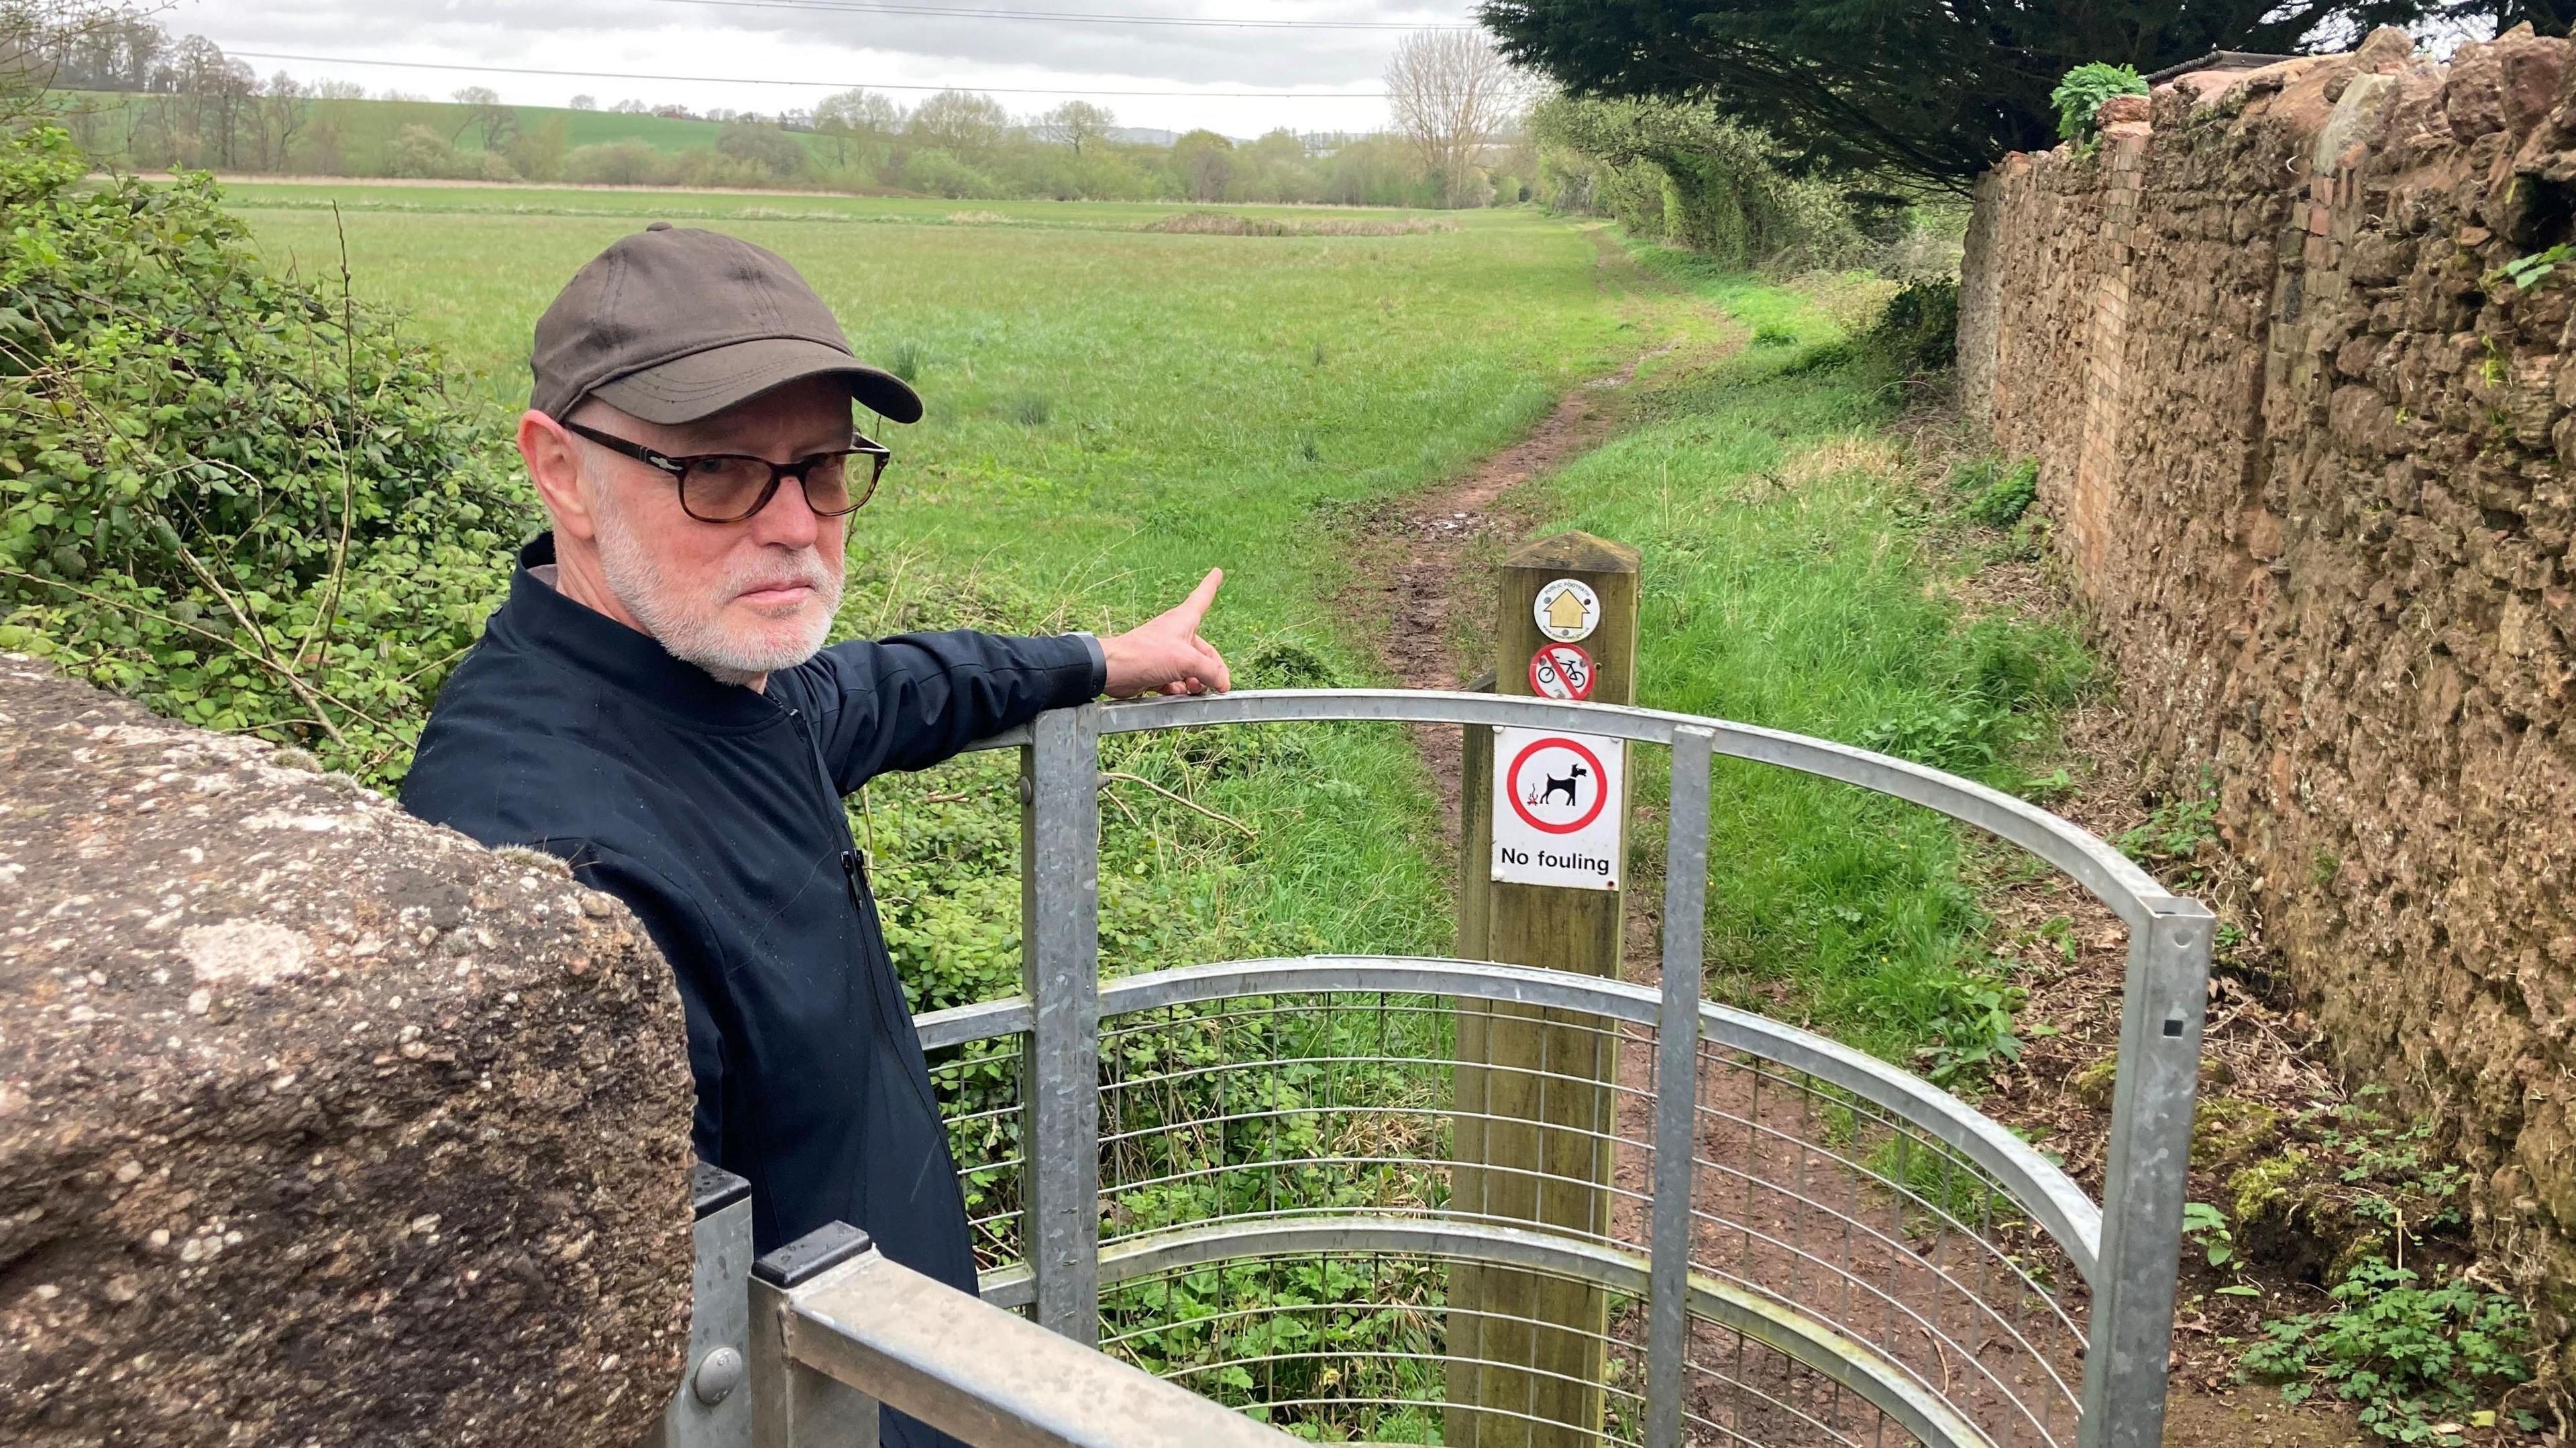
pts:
pixel 1334 73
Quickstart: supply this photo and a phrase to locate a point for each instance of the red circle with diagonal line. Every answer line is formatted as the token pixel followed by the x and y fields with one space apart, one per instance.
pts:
pixel 1561 671
pixel 1512 786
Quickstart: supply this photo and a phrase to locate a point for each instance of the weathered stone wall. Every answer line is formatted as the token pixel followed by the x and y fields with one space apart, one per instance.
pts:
pixel 318 1125
pixel 2310 462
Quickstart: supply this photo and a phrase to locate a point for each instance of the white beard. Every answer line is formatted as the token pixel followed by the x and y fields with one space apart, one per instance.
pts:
pixel 691 625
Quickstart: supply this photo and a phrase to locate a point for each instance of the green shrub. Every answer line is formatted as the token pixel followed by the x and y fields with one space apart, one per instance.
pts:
pixel 1676 171
pixel 1918 330
pixel 2084 90
pixel 630 162
pixel 940 173
pixel 248 502
pixel 2409 1357
pixel 421 153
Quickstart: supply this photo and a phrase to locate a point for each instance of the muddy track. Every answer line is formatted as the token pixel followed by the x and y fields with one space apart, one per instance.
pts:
pixel 1420 561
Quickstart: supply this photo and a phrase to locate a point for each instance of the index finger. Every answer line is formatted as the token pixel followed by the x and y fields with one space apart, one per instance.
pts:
pixel 1195 607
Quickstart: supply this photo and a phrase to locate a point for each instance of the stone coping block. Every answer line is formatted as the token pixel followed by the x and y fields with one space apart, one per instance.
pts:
pixel 318 1124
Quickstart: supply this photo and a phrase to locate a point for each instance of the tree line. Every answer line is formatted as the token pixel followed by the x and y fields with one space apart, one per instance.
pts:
pixel 138 98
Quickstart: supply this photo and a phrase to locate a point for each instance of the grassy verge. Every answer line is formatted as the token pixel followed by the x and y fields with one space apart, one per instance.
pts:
pixel 1795 573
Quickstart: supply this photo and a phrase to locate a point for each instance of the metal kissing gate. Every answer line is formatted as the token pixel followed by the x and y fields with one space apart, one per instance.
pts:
pixel 1215 1197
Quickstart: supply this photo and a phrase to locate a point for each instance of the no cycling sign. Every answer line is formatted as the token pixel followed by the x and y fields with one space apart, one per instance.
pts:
pixel 1560 809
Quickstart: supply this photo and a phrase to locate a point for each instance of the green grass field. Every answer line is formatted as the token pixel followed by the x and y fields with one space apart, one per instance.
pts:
pixel 729 207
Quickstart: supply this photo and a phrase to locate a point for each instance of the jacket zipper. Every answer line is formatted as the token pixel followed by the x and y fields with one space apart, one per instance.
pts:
pixel 854 875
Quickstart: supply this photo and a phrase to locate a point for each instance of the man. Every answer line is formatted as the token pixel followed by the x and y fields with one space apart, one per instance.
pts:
pixel 654 703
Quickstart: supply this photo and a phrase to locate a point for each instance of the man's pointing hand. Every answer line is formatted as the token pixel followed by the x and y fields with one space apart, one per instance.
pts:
pixel 1167 655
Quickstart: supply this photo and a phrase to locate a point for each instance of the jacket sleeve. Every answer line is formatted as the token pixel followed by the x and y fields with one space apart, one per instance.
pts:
pixel 688 940
pixel 910 702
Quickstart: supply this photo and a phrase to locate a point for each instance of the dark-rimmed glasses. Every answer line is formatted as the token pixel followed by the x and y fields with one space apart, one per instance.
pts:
pixel 731 487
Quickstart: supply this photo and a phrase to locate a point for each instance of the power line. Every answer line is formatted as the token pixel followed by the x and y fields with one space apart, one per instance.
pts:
pixel 865 7
pixel 999 90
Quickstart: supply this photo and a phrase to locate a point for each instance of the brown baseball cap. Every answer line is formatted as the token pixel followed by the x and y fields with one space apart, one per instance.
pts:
pixel 673 324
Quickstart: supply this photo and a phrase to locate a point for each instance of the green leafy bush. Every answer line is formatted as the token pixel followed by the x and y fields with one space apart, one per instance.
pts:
pixel 2410 1357
pixel 2084 90
pixel 248 502
pixel 1918 330
pixel 1675 171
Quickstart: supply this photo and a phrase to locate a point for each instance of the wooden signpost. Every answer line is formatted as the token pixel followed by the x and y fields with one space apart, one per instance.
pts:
pixel 1544 836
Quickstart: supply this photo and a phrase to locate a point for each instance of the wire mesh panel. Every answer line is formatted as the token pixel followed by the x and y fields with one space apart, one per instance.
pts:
pixel 1359 1346
pixel 978 1086
pixel 1242 1106
pixel 1268 1105
pixel 1827 1202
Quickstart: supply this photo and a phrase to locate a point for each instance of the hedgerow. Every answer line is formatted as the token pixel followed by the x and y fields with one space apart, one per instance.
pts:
pixel 247 500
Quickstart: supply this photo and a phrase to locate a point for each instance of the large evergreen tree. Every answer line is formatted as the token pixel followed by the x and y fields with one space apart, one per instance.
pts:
pixel 1936 89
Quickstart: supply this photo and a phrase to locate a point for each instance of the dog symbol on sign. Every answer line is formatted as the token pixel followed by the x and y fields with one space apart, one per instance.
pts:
pixel 1561 671
pixel 1549 786
pixel 1556 785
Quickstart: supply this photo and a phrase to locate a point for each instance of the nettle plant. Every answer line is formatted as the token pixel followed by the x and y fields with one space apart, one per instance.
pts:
pixel 246 500
pixel 2413 1358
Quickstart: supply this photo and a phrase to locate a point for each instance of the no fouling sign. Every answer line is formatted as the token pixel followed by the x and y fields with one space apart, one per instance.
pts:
pixel 1559 804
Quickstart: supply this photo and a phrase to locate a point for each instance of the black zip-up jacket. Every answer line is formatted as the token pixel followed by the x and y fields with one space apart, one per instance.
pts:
pixel 715 813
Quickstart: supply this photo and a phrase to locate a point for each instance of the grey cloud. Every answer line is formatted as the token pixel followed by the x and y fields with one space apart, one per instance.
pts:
pixel 501 33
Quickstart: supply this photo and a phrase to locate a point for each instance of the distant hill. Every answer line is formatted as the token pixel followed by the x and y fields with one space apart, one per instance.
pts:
pixel 1142 136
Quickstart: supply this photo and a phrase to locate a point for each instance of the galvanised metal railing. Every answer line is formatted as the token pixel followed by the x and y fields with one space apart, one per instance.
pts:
pixel 1236 1175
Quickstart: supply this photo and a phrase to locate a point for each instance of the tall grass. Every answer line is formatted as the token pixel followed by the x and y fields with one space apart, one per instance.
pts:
pixel 1793 580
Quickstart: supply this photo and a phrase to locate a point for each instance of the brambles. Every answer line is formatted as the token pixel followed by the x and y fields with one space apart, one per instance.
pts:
pixel 249 502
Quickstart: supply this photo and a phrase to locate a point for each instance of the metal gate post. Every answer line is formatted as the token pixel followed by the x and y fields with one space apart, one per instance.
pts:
pixel 1060 975
pixel 711 1410
pixel 2146 1178
pixel 1677 1086
pixel 792 1405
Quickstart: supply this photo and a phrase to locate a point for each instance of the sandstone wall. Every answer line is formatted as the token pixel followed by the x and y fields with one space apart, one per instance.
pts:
pixel 318 1125
pixel 2310 462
